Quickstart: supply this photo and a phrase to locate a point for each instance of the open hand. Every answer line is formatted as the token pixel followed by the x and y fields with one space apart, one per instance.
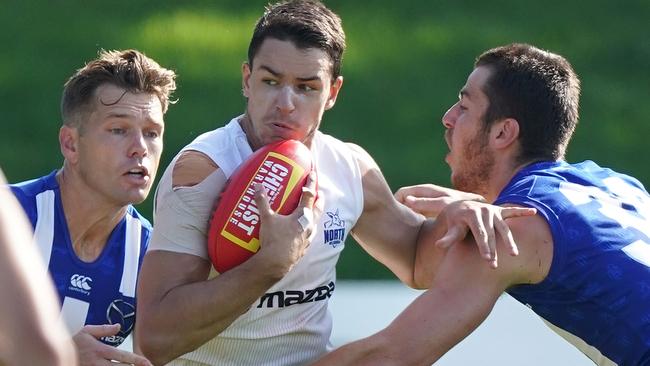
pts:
pixel 430 199
pixel 485 221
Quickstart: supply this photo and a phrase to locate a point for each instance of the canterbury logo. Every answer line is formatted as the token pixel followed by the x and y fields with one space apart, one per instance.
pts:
pixel 81 282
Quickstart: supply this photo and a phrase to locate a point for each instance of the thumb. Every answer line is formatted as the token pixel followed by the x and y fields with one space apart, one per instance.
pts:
pixel 103 330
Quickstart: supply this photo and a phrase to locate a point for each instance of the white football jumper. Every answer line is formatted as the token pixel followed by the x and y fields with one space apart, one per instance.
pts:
pixel 291 324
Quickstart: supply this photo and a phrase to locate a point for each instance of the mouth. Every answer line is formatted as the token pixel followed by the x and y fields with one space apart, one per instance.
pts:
pixel 448 139
pixel 282 125
pixel 139 172
pixel 283 130
pixel 448 142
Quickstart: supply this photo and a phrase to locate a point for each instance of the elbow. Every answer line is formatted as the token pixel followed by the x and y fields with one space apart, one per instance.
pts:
pixel 154 354
pixel 422 278
pixel 152 345
pixel 411 281
pixel 407 277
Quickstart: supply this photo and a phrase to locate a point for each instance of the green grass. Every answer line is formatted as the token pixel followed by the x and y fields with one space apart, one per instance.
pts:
pixel 404 66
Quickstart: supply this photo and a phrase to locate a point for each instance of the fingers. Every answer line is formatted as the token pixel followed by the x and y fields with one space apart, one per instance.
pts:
pixel 485 239
pixel 420 190
pixel 488 227
pixel 92 351
pixel 508 212
pixel 262 200
pixel 305 207
pixel 429 207
pixel 504 232
pixel 125 357
pixel 103 330
pixel 308 196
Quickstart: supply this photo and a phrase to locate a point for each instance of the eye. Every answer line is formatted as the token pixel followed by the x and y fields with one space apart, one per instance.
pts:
pixel 270 82
pixel 152 134
pixel 305 87
pixel 117 131
pixel 462 108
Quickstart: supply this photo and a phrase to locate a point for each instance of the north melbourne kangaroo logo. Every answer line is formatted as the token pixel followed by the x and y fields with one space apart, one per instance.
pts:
pixel 81 282
pixel 334 229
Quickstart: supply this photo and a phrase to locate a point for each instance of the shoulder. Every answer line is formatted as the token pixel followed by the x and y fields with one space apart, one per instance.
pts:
pixel 362 157
pixel 191 168
pixel 27 192
pixel 32 187
pixel 531 266
pixel 133 214
pixel 534 239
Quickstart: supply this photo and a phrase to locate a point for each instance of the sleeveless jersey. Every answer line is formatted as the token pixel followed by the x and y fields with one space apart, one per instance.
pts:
pixel 291 323
pixel 101 292
pixel 597 292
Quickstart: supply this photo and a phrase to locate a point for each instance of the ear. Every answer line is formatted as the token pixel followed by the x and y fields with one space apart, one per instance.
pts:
pixel 504 133
pixel 334 92
pixel 69 143
pixel 245 79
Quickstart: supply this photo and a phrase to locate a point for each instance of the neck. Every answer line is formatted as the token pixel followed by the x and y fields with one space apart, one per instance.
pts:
pixel 247 127
pixel 500 177
pixel 90 218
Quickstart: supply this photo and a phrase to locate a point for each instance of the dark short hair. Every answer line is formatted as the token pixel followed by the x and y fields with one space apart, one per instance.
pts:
pixel 537 88
pixel 128 69
pixel 306 23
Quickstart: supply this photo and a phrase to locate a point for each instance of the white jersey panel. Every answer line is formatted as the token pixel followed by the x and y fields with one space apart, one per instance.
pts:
pixel 291 323
pixel 44 229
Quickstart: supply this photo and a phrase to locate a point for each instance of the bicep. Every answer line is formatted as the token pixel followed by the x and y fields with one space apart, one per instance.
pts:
pixel 386 229
pixel 177 252
pixel 162 271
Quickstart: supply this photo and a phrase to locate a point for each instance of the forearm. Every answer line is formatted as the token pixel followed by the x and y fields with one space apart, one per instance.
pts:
pixel 367 351
pixel 460 298
pixel 393 243
pixel 190 314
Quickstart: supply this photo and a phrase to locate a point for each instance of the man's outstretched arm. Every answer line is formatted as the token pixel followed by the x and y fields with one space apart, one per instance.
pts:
pixel 462 294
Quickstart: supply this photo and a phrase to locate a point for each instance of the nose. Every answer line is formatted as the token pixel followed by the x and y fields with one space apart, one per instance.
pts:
pixel 285 100
pixel 449 118
pixel 138 147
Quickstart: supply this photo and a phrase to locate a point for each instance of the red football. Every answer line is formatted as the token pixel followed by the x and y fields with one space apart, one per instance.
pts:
pixel 282 168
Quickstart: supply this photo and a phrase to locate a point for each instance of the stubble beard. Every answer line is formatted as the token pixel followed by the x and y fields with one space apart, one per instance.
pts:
pixel 474 173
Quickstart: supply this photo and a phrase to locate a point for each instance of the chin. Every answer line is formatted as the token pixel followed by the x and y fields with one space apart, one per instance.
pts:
pixel 136 198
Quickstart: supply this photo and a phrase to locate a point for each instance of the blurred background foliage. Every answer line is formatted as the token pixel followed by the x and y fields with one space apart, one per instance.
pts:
pixel 405 63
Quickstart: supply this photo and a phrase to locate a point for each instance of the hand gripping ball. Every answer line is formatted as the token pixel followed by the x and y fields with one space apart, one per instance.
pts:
pixel 282 168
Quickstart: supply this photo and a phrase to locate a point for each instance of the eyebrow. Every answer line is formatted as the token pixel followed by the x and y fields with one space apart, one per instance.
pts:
pixel 464 93
pixel 279 74
pixel 120 115
pixel 113 114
